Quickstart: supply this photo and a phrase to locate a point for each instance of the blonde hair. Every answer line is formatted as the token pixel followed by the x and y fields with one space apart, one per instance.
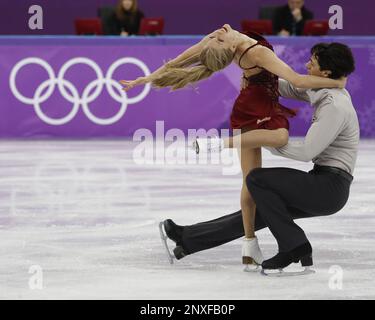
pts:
pixel 193 69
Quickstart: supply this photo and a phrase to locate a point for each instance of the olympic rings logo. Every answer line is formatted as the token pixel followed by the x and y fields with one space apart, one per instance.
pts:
pixel 72 94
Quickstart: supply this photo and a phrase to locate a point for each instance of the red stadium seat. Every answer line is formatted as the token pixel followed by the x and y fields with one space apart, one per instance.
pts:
pixel 151 26
pixel 315 28
pixel 259 26
pixel 88 26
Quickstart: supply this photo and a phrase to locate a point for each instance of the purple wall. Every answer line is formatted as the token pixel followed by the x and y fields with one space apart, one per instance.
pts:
pixel 71 101
pixel 182 17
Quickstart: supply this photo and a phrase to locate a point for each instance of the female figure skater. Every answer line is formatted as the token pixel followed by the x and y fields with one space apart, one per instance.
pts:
pixel 256 112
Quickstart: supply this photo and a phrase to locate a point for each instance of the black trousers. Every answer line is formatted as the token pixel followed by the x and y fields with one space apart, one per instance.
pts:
pixel 281 196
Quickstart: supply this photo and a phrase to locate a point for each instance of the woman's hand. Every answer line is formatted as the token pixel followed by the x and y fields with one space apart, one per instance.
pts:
pixel 342 82
pixel 284 33
pixel 129 84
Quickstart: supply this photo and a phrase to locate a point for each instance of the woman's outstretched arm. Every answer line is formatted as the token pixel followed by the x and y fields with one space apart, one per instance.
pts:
pixel 267 59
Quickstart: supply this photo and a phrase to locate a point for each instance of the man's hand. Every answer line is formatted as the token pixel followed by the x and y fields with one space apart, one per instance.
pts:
pixel 129 84
pixel 297 14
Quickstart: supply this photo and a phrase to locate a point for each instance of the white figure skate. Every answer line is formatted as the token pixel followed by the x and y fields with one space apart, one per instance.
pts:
pixel 208 145
pixel 252 256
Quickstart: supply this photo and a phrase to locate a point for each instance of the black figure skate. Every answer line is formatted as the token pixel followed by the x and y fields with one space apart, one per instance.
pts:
pixel 301 254
pixel 169 230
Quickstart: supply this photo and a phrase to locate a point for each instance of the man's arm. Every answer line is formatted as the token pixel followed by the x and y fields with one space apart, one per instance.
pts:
pixel 320 135
pixel 286 90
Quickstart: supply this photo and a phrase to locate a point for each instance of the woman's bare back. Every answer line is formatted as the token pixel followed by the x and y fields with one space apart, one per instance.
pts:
pixel 245 62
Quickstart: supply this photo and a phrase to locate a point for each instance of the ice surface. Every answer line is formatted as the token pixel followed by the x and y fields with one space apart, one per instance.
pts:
pixel 88 216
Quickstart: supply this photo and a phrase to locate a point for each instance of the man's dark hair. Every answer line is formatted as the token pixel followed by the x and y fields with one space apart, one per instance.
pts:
pixel 334 57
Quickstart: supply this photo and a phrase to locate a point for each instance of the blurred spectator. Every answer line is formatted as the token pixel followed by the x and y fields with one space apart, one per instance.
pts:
pixel 126 18
pixel 290 19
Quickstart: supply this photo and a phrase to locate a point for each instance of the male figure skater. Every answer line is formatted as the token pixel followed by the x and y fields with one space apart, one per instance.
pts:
pixel 283 194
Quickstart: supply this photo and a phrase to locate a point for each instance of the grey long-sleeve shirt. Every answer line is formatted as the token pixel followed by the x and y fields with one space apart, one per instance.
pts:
pixel 332 139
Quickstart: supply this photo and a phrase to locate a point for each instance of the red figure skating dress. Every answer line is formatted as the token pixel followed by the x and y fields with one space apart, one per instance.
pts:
pixel 260 100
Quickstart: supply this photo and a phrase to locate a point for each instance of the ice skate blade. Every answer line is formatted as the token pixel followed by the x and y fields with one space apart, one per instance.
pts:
pixel 250 265
pixel 164 238
pixel 282 273
pixel 255 268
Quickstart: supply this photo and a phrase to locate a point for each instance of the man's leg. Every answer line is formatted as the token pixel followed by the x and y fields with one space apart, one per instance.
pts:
pixel 209 234
pixel 275 190
pixel 213 233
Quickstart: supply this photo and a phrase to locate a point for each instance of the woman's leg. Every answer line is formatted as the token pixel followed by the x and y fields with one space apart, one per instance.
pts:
pixel 251 253
pixel 250 159
pixel 258 138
